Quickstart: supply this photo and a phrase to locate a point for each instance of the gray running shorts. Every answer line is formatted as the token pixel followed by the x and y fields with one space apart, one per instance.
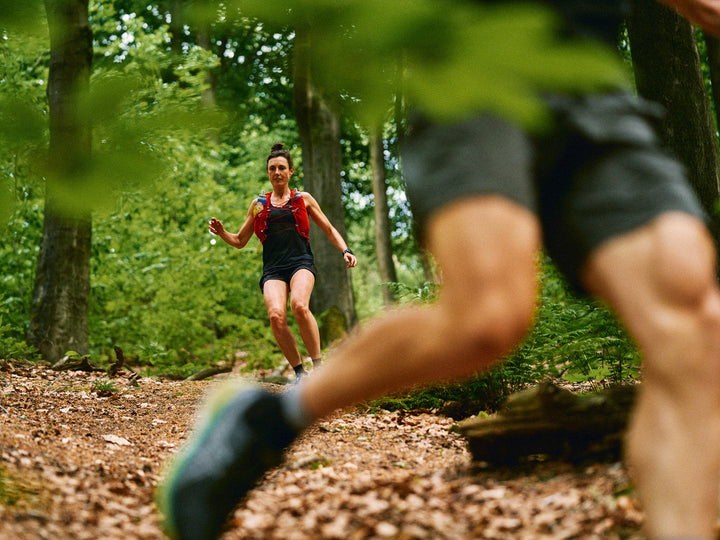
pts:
pixel 598 172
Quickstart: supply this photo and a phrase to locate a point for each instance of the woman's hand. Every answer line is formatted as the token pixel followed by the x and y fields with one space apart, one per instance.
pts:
pixel 350 259
pixel 216 227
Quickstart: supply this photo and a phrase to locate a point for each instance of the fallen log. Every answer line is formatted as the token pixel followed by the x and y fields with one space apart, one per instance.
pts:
pixel 75 362
pixel 547 421
pixel 207 373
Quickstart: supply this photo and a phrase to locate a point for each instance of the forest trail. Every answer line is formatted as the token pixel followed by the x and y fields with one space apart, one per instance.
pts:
pixel 81 461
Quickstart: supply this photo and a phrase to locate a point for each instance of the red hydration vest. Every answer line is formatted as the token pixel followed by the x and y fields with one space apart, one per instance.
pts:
pixel 297 206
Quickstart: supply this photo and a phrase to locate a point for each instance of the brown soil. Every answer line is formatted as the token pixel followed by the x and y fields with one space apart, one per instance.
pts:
pixel 81 461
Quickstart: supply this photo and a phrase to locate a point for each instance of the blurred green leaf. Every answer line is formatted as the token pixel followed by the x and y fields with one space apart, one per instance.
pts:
pixel 449 58
pixel 124 155
pixel 6 205
pixel 21 122
pixel 23 16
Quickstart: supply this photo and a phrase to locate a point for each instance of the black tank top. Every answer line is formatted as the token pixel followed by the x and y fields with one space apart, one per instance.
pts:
pixel 284 248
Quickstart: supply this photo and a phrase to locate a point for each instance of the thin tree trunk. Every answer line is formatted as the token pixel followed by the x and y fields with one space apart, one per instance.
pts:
pixel 383 247
pixel 204 40
pixel 713 50
pixel 175 26
pixel 319 126
pixel 668 70
pixel 59 312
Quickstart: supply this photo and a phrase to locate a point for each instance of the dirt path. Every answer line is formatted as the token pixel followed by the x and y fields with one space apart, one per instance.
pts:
pixel 79 462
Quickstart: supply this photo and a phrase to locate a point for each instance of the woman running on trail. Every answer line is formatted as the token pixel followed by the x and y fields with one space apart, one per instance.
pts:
pixel 279 218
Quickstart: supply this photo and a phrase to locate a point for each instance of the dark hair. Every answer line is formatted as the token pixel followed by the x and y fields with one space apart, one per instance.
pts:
pixel 278 151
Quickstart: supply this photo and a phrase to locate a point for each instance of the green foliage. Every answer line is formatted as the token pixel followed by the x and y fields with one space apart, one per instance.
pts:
pixel 474 395
pixel 576 338
pixel 104 387
pixel 11 344
pixel 18 256
pixel 23 131
pixel 163 163
pixel 449 58
pixel 163 288
pixel 21 17
pixel 171 295
pixel 426 292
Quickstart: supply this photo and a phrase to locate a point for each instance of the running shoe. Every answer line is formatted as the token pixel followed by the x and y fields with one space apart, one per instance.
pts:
pixel 241 436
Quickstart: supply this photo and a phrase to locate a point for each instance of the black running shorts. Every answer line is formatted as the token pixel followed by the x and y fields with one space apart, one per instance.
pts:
pixel 285 274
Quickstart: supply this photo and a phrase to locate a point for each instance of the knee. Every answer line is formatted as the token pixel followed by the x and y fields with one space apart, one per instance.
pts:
pixel 700 357
pixel 300 310
pixel 278 318
pixel 688 310
pixel 685 263
pixel 686 278
pixel 494 325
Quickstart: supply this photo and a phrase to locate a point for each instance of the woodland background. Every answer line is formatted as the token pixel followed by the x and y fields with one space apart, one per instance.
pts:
pixel 126 125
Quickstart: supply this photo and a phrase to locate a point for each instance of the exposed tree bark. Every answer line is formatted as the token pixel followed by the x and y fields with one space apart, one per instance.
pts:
pixel 59 312
pixel 318 122
pixel 668 70
pixel 383 247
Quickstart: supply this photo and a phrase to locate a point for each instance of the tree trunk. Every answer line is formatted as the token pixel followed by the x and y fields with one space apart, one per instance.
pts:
pixel 713 51
pixel 319 126
pixel 175 26
pixel 668 70
pixel 59 313
pixel 204 40
pixel 383 246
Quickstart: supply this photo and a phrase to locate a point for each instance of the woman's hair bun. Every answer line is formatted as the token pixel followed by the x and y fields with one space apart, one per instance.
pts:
pixel 278 150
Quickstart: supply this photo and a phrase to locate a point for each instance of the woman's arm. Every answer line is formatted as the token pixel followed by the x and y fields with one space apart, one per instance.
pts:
pixel 319 217
pixel 242 237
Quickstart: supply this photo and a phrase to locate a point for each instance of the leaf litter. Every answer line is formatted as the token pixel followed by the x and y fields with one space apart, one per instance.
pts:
pixel 78 465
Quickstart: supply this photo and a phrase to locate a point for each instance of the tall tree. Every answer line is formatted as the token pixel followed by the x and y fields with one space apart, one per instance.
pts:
pixel 713 49
pixel 383 246
pixel 318 122
pixel 668 70
pixel 59 314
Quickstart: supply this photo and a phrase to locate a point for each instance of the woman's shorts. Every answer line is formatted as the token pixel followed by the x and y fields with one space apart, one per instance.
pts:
pixel 597 173
pixel 285 274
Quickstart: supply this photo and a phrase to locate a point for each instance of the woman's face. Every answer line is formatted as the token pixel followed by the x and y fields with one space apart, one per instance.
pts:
pixel 278 170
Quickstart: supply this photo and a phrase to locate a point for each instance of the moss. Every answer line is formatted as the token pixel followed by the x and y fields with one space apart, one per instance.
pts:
pixel 333 325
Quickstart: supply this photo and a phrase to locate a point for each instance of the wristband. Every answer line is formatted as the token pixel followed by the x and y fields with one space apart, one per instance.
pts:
pixel 348 251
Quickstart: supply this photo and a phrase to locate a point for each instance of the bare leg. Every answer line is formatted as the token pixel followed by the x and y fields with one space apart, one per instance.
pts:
pixel 487 248
pixel 275 293
pixel 661 280
pixel 487 251
pixel 301 287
